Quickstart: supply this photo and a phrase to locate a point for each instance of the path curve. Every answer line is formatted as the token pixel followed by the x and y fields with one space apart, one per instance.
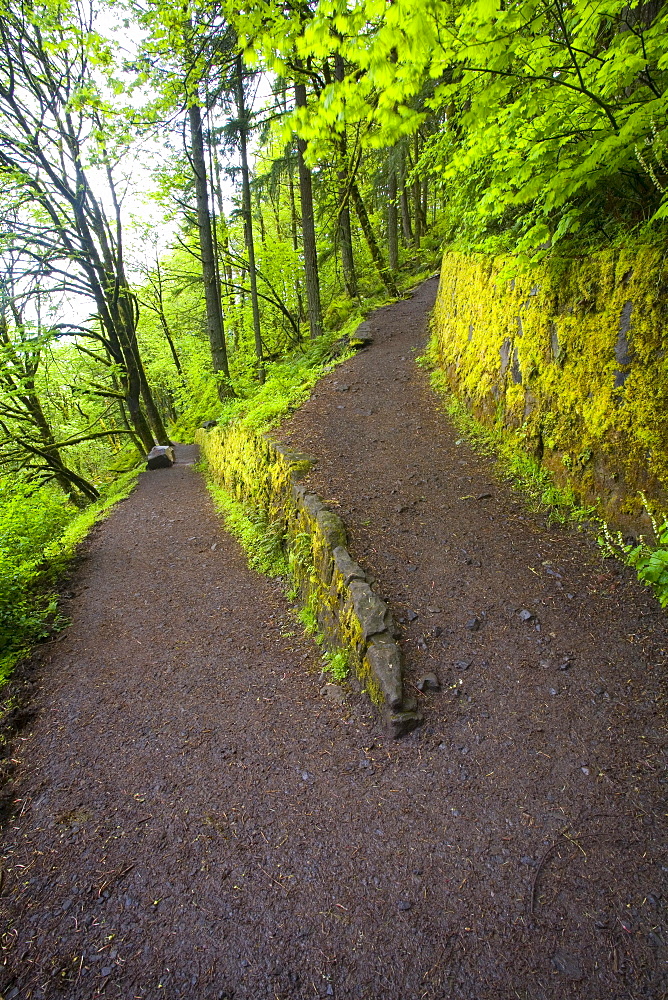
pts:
pixel 191 819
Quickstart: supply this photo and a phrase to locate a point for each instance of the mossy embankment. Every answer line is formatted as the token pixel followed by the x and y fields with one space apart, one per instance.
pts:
pixel 570 359
pixel 308 541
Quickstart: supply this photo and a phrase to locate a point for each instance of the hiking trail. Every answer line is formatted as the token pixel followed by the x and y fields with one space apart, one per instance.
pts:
pixel 188 817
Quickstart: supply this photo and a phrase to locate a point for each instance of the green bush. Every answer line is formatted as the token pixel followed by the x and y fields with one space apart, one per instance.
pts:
pixel 29 520
pixel 649 561
pixel 39 531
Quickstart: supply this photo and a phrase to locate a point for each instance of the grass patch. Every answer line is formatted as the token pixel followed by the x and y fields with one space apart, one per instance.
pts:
pixel 261 540
pixel 337 664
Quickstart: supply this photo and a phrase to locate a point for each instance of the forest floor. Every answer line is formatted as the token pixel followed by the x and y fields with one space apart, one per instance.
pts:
pixel 186 816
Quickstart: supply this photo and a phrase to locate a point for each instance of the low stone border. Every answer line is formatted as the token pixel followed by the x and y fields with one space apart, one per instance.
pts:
pixel 264 475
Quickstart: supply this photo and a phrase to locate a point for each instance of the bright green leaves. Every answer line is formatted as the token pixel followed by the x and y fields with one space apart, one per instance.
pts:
pixel 543 102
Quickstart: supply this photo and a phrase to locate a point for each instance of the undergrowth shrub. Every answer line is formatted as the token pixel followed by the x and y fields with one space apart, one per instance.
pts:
pixel 261 539
pixel 649 561
pixel 39 531
pixel 29 519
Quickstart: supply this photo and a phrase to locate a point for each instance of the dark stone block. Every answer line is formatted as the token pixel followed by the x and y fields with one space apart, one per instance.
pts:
pixel 313 505
pixel 400 723
pixel 332 528
pixel 504 352
pixel 383 659
pixel 370 610
pixel 362 334
pixel 160 457
pixel 346 566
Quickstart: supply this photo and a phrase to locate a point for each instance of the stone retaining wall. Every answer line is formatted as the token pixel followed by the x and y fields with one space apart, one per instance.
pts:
pixel 570 357
pixel 265 476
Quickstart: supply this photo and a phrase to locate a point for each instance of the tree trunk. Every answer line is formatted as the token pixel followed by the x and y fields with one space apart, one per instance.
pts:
pixel 406 227
pixel 392 219
pixel 248 216
pixel 79 490
pixel 417 202
pixel 308 229
pixel 295 245
pixel 152 411
pixel 346 240
pixel 424 205
pixel 345 231
pixel 214 313
pixel 377 257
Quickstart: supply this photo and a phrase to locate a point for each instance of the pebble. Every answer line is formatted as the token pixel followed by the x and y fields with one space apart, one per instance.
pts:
pixel 553 691
pixel 404 904
pixel 334 693
pixel 525 616
pixel 567 964
pixel 434 611
pixel 429 682
pixel 106 970
pixel 411 616
pixel 462 664
pixel 473 624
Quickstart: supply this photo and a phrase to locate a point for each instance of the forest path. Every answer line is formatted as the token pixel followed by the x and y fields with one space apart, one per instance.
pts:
pixel 188 818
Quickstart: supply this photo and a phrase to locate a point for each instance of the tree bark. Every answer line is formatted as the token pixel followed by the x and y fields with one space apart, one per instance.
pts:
pixel 424 204
pixel 308 229
pixel 345 230
pixel 417 201
pixel 248 216
pixel 214 313
pixel 392 218
pixel 377 257
pixel 406 227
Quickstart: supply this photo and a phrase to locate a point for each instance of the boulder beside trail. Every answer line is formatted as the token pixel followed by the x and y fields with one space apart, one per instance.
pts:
pixel 160 457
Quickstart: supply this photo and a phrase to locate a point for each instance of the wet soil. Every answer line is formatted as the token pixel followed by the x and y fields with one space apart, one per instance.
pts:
pixel 187 816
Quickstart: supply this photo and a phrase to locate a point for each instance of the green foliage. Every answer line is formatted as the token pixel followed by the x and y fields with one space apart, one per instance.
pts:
pixel 650 561
pixel 287 385
pixel 337 664
pixel 260 539
pixel 309 620
pixel 554 116
pixel 38 536
pixel 29 520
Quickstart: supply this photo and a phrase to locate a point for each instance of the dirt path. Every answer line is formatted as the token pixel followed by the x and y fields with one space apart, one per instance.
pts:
pixel 188 818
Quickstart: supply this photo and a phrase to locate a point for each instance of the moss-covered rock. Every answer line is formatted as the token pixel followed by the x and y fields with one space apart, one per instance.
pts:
pixel 264 477
pixel 571 359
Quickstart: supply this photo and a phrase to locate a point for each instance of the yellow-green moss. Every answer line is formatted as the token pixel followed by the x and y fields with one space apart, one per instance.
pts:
pixel 259 476
pixel 535 355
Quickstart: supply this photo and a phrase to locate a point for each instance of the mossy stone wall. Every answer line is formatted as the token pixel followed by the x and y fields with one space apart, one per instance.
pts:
pixel 572 359
pixel 265 476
